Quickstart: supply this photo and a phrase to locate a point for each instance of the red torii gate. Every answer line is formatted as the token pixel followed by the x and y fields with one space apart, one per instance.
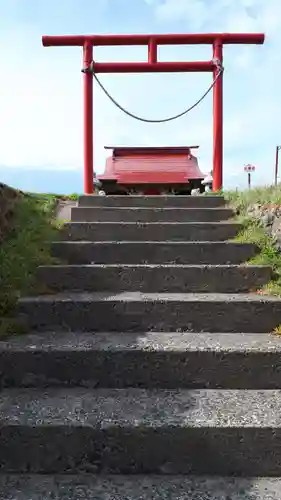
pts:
pixel 153 66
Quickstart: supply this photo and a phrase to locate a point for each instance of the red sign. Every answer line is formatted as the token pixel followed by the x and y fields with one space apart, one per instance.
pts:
pixel 249 168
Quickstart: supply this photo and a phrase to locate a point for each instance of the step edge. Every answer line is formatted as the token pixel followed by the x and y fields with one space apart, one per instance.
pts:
pixel 152 242
pixel 180 224
pixel 157 209
pixel 164 297
pixel 211 418
pixel 237 267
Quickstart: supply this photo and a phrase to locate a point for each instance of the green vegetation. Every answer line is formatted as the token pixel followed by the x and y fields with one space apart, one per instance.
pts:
pixel 54 197
pixel 240 201
pixel 254 232
pixel 27 246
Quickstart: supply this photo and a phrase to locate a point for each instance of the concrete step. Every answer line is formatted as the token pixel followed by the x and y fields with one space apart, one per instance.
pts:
pixel 139 312
pixel 154 252
pixel 153 231
pixel 151 201
pixel 148 360
pixel 215 432
pixel 137 487
pixel 132 214
pixel 153 278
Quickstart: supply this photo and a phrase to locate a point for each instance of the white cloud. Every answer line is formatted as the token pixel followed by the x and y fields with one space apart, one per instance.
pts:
pixel 225 15
pixel 195 11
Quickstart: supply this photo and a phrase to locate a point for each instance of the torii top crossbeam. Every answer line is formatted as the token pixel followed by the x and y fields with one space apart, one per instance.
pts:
pixel 217 40
pixel 161 39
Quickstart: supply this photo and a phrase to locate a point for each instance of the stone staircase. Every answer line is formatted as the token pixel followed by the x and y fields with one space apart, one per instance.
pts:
pixel 150 371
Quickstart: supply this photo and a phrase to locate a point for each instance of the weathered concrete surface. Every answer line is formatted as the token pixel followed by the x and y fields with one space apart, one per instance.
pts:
pixel 138 312
pixel 154 252
pixel 152 360
pixel 63 209
pixel 106 487
pixel 125 382
pixel 130 231
pixel 141 431
pixel 154 278
pixel 109 214
pixel 151 201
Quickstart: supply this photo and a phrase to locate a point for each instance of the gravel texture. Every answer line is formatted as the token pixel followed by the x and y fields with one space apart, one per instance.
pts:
pixel 151 201
pixel 154 297
pixel 139 431
pixel 134 408
pixel 152 231
pixel 154 278
pixel 137 214
pixel 138 312
pixel 151 360
pixel 153 252
pixel 86 487
pixel 151 341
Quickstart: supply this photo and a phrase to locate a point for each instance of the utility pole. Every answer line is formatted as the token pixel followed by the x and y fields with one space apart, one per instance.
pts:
pixel 276 164
pixel 249 169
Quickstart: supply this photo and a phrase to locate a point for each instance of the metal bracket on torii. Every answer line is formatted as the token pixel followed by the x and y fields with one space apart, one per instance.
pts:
pixel 217 40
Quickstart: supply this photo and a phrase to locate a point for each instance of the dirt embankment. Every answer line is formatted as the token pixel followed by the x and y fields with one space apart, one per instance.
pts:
pixel 8 199
pixel 27 229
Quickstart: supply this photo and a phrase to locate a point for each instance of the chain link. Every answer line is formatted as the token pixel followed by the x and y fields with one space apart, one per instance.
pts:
pixel 216 62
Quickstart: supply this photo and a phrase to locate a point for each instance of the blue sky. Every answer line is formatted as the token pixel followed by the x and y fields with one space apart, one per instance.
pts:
pixel 41 88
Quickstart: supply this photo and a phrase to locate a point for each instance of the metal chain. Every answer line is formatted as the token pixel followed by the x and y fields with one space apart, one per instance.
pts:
pixel 146 120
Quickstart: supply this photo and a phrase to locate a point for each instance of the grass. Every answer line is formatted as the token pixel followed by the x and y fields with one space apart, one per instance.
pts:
pixel 240 201
pixel 54 197
pixel 27 246
pixel 254 232
pixel 277 330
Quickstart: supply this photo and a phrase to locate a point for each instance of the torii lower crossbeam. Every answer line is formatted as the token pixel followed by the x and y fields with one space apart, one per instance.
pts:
pixel 217 40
